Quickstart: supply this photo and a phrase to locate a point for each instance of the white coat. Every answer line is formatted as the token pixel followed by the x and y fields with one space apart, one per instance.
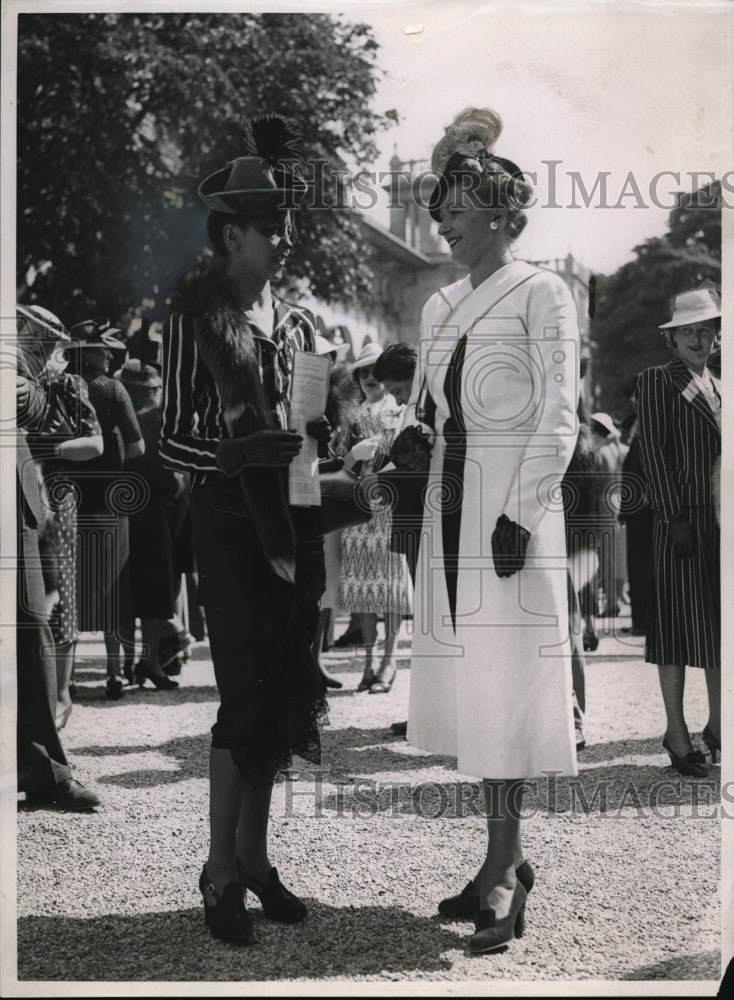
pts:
pixel 496 692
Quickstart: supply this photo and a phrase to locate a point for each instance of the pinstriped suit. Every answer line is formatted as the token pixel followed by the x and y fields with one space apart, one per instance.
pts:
pixel 680 440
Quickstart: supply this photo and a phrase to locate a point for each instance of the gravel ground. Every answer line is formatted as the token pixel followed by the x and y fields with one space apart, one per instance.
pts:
pixel 626 855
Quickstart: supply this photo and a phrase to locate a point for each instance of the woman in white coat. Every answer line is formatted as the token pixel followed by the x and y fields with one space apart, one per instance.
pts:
pixel 491 676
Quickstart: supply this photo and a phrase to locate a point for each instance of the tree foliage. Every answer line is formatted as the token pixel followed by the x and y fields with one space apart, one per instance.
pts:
pixel 121 115
pixel 633 302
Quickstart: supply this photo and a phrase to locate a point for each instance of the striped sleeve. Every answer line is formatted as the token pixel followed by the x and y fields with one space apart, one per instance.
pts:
pixel 181 446
pixel 654 409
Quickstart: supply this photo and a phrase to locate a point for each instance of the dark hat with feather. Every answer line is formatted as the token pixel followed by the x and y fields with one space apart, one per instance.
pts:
pixel 97 332
pixel 465 155
pixel 268 176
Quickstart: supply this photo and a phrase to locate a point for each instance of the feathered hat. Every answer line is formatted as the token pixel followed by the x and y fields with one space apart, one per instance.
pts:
pixel 268 175
pixel 466 148
pixel 97 332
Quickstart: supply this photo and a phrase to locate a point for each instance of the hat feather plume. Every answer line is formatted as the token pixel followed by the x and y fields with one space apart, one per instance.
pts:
pixel 473 131
pixel 273 137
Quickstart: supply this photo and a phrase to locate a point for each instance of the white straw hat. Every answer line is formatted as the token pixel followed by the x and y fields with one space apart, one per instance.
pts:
pixel 367 356
pixel 695 306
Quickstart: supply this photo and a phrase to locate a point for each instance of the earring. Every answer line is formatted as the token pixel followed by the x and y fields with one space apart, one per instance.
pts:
pixel 494 225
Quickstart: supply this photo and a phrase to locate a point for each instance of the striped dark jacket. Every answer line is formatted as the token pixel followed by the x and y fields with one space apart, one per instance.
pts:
pixel 679 439
pixel 193 422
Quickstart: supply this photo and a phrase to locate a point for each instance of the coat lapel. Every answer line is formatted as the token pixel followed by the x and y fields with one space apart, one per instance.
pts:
pixel 686 386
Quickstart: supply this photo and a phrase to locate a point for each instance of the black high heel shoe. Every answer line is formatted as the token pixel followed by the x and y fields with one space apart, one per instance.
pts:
pixel 352 637
pixel 491 933
pixel 115 688
pixel 329 681
pixel 143 672
pixel 278 903
pixel 224 913
pixel 712 743
pixel 693 764
pixel 466 904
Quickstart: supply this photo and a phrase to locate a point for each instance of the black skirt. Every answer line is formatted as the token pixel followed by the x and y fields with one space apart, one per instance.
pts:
pixel 260 631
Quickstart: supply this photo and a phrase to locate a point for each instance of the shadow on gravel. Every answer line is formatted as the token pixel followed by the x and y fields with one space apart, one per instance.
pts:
pixel 189 753
pixel 606 785
pixel 335 942
pixel 704 965
pixel 370 751
pixel 599 753
pixel 96 697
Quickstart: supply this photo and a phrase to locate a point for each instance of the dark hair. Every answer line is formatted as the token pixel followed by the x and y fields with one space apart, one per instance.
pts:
pixel 397 362
pixel 216 221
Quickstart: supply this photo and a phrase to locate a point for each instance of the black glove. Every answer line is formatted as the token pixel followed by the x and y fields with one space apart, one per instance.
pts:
pixel 321 430
pixel 509 545
pixel 269 449
pixel 682 536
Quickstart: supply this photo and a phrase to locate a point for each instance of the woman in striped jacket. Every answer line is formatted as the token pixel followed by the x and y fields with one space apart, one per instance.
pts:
pixel 228 354
pixel 679 411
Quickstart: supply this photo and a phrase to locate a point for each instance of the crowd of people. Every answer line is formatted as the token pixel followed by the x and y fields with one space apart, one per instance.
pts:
pixel 153 482
pixel 102 541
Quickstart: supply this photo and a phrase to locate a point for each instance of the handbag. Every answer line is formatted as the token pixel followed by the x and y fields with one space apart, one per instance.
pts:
pixel 404 487
pixel 344 499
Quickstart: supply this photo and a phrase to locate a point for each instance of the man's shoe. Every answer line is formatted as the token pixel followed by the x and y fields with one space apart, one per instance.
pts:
pixel 70 794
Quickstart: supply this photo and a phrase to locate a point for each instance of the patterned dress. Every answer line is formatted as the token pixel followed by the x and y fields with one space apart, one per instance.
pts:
pixel 374 579
pixel 70 416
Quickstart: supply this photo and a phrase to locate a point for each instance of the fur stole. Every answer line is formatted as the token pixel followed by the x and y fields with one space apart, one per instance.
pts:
pixel 226 345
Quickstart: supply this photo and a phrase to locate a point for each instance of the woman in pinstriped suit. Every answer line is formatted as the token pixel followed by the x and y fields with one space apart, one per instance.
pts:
pixel 679 409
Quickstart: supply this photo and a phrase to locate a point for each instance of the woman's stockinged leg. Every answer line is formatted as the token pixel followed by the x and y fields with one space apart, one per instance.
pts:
pixel 672 687
pixel 496 879
pixel 252 830
pixel 392 626
pixel 226 795
pixel 368 626
pixel 502 895
pixel 713 689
